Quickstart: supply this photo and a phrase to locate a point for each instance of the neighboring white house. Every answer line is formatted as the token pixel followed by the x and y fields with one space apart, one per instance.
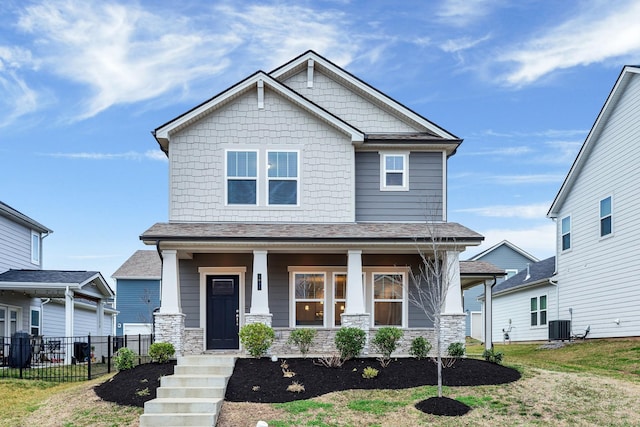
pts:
pixel 298 198
pixel 506 256
pixel 598 226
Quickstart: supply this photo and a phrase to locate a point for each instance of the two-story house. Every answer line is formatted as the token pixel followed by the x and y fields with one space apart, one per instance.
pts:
pixel 598 229
pixel 301 198
pixel 49 303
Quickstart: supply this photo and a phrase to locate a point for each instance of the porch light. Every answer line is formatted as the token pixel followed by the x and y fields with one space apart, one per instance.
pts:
pixel 306 307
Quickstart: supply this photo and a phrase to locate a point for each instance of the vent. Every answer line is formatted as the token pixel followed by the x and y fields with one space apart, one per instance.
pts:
pixel 559 330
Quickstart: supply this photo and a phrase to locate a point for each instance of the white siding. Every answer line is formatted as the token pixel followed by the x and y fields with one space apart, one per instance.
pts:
pixel 517 307
pixel 15 246
pixel 348 105
pixel 197 167
pixel 598 277
pixel 85 321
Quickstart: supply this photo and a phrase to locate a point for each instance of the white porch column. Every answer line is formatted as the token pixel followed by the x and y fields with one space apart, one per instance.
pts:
pixel 68 325
pixel 259 284
pixel 100 319
pixel 453 301
pixel 355 290
pixel 488 316
pixel 170 295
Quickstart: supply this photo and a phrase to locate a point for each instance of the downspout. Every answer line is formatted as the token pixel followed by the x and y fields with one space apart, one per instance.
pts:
pixel 554 282
pixel 495 281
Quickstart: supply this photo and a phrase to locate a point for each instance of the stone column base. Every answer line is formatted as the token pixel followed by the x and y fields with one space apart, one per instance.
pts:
pixel 169 327
pixel 361 321
pixel 452 329
pixel 258 318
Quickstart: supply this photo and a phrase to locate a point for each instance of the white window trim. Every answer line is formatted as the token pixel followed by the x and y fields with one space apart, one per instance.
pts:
pixel 404 300
pixel 35 252
pixel 600 218
pixel 226 176
pixel 383 171
pixel 563 234
pixel 539 326
pixel 268 179
pixel 8 309
pixel 293 300
pixel 32 309
pixel 335 300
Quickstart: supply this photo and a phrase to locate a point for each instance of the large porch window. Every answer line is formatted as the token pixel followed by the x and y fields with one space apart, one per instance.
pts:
pixel 309 295
pixel 388 299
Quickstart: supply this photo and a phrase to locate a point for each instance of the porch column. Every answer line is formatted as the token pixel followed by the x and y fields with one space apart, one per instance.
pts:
pixel 259 312
pixel 452 318
pixel 68 325
pixel 355 290
pixel 170 295
pixel 488 316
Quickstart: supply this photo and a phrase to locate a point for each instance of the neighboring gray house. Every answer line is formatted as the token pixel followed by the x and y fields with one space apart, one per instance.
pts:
pixel 509 258
pixel 138 292
pixel 298 198
pixel 598 227
pixel 45 302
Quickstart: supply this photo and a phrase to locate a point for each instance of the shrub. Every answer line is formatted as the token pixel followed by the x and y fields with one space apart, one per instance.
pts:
pixel 350 342
pixel 303 338
pixel 295 387
pixel 257 338
pixel 455 349
pixel 369 372
pixel 493 356
pixel 420 348
pixel 161 352
pixel 386 341
pixel 124 359
pixel 333 361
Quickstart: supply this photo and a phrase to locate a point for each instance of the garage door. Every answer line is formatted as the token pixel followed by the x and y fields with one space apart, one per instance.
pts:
pixel 137 329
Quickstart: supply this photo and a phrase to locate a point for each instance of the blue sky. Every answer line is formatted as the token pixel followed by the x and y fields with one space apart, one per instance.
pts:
pixel 83 83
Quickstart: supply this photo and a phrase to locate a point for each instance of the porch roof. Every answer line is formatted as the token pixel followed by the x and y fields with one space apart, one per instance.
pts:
pixel 53 283
pixel 408 233
pixel 475 272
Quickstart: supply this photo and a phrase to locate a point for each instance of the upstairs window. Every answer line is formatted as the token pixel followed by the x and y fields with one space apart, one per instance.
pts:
pixel 35 248
pixel 510 273
pixel 539 311
pixel 605 217
pixel 242 177
pixel 282 175
pixel 393 168
pixel 566 233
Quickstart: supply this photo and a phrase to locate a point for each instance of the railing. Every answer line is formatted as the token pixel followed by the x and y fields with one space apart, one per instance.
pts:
pixel 63 359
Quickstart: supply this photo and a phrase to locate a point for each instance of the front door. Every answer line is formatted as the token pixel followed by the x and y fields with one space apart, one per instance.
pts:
pixel 223 312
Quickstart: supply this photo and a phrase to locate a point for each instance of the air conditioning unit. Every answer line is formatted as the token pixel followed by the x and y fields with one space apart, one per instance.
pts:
pixel 559 330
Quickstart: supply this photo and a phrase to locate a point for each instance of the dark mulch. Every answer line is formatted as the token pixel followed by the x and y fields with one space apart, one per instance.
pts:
pixel 128 387
pixel 443 406
pixel 261 380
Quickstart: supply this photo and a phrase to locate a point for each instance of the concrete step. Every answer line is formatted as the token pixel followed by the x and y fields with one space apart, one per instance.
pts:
pixel 205 359
pixel 194 381
pixel 179 405
pixel 203 370
pixel 175 420
pixel 197 392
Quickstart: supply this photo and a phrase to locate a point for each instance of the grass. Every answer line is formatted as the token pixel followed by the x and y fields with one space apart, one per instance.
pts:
pixel 595 382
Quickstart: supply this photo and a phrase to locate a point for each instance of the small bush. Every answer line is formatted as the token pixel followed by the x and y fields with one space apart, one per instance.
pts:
pixel 303 338
pixel 420 348
pixel 369 372
pixel 493 356
pixel 386 341
pixel 295 387
pixel 161 352
pixel 124 359
pixel 456 349
pixel 257 338
pixel 333 361
pixel 350 342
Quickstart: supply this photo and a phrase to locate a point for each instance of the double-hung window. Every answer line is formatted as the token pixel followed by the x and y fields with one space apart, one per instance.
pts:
pixel 35 321
pixel 388 299
pixel 242 177
pixel 566 233
pixel 282 177
pixel 393 172
pixel 339 296
pixel 539 311
pixel 309 292
pixel 605 217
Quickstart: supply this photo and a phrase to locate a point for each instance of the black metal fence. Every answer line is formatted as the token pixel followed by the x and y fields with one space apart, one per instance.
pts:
pixel 63 359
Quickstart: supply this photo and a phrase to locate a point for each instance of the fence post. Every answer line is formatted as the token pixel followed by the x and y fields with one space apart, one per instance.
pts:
pixel 139 349
pixel 89 357
pixel 109 350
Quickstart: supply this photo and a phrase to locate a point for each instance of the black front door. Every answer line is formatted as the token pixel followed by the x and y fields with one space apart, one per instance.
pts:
pixel 222 312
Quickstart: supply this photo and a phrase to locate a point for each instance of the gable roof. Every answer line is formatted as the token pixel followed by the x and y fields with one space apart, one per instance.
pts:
pixel 627 73
pixel 507 244
pixel 143 264
pixel 20 218
pixel 253 82
pixel 537 274
pixel 54 283
pixel 354 83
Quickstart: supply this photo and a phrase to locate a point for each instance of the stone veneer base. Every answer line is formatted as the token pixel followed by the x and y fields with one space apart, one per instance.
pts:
pixel 169 327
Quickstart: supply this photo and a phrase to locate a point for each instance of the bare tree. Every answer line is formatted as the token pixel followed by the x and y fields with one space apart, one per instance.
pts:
pixel 430 284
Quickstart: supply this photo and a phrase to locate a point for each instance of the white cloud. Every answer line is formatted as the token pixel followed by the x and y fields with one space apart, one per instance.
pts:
pixel 501 151
pixel 462 12
pixel 543 178
pixel 530 211
pixel 16 97
pixel 537 240
pixel 156 155
pixel 545 133
pixel 600 31
pixel 457 45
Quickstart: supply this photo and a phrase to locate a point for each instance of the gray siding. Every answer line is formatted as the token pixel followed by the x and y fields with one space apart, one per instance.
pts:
pixel 85 321
pixel 136 300
pixel 15 246
pixel 423 200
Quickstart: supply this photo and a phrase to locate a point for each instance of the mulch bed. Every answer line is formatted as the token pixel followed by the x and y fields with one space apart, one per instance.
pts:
pixel 443 406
